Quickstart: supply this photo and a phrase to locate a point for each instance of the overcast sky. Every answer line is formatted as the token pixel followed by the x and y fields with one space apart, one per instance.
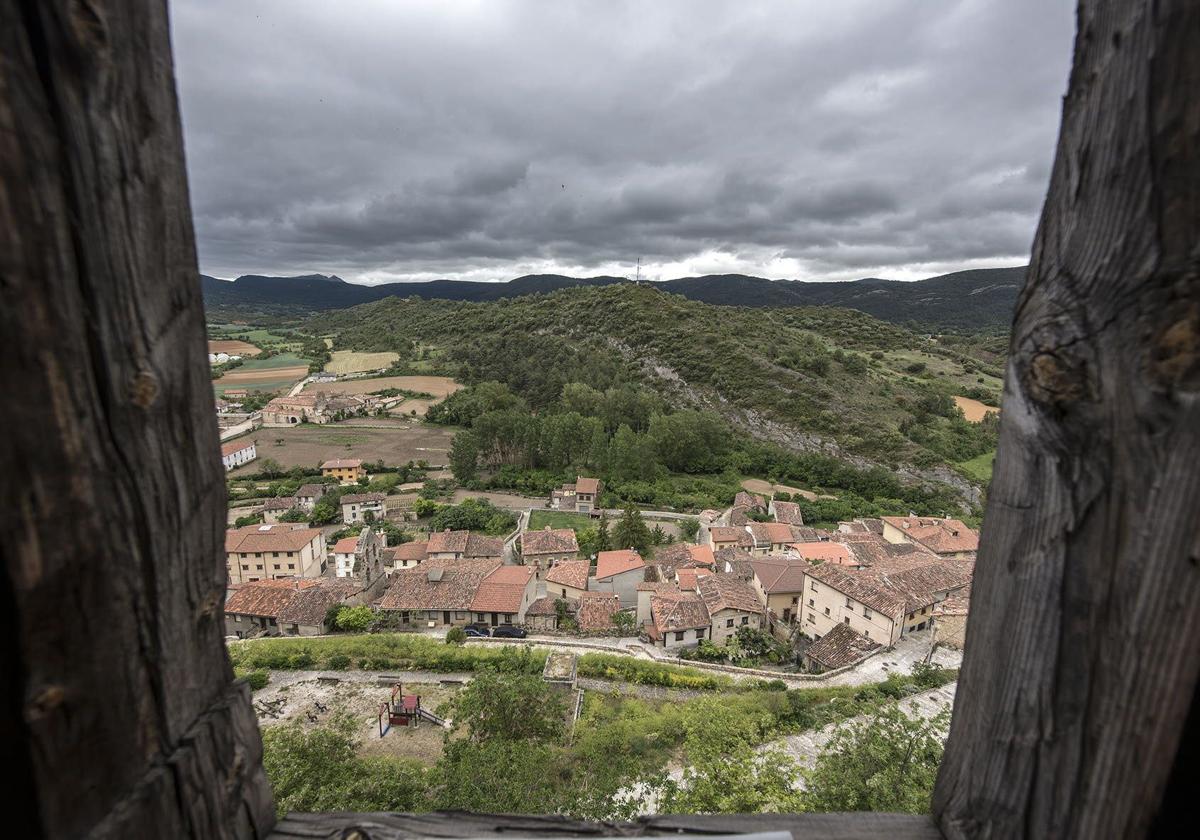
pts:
pixel 406 140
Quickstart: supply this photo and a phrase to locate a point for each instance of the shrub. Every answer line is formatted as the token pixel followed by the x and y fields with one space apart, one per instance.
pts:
pixel 354 619
pixel 338 662
pixel 456 636
pixel 258 679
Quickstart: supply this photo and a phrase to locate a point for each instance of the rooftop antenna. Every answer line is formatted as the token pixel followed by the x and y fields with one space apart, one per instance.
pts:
pixel 637 281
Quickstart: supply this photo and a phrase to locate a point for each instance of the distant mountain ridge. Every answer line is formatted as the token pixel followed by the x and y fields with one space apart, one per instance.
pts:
pixel 973 300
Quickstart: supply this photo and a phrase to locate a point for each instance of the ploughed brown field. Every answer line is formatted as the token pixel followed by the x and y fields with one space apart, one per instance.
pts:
pixel 439 386
pixel 233 347
pixel 309 444
pixel 974 410
pixel 278 374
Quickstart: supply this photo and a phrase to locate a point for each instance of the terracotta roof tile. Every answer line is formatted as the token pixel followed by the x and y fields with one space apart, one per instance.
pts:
pixel 788 513
pixel 340 463
pixel 503 590
pixel 265 598
pixel 310 605
pixel 825 552
pixel 436 585
pixel 861 588
pixel 685 611
pixel 725 592
pixel 770 533
pixel 235 446
pixel 596 610
pixel 362 498
pixel 549 541
pixel 780 574
pixel 261 538
pixel 573 573
pixel 943 536
pixel 411 551
pixel 587 485
pixel 609 563
pixel 448 542
pixel 840 647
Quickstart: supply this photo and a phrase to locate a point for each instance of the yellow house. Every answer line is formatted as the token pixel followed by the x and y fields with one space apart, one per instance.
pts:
pixel 345 470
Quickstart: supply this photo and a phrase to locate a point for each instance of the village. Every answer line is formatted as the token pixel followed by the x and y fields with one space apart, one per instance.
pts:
pixel 755 573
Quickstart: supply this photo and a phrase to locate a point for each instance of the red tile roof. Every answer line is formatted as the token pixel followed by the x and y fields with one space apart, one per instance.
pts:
pixel 748 500
pixel 779 574
pixel 689 577
pixel 609 563
pixel 587 485
pixel 840 647
pixel 685 611
pixel 770 533
pixel 265 598
pixel 448 542
pixel 596 610
pixel 361 498
pixel 436 585
pixel 860 587
pixel 503 590
pixel 943 536
pixel 725 592
pixel 310 605
pixel 573 573
pixel 411 551
pixel 235 446
pixel 788 513
pixel 346 545
pixel 543 606
pixel 341 463
pixel 549 541
pixel 702 555
pixel 730 534
pixel 825 552
pixel 260 538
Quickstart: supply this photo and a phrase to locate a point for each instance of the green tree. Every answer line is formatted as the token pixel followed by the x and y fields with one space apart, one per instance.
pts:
pixel 320 770
pixel 888 762
pixel 293 515
pixel 249 519
pixel 326 511
pixel 354 619
pixel 631 531
pixel 497 706
pixel 688 529
pixel 464 457
pixel 269 468
pixel 725 774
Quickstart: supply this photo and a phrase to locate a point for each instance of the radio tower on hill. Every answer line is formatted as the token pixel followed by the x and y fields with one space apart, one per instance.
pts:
pixel 637 280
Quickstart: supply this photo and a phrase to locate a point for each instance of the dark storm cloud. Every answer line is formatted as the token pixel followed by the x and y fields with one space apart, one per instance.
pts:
pixel 386 141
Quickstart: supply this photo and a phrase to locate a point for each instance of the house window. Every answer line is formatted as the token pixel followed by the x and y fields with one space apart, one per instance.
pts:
pixel 245 567
pixel 699 634
pixel 260 567
pixel 237 619
pixel 460 615
pixel 827 611
pixel 679 635
pixel 291 565
pixel 277 567
pixel 846 620
pixel 866 613
pixel 508 618
pixel 745 619
pixel 813 585
pixel 811 602
pixel 431 614
pixel 867 633
pixel 729 622
pixel 796 600
pixel 812 619
pixel 849 603
pixel 564 592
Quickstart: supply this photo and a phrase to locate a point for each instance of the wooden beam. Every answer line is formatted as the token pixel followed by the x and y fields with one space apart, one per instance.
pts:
pixel 1083 647
pixel 455 824
pixel 121 716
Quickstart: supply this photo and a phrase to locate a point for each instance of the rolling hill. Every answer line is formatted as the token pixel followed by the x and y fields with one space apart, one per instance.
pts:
pixel 812 379
pixel 978 300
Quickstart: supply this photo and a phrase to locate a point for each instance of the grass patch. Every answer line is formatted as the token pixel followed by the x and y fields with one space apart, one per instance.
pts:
pixel 979 467
pixel 539 519
pixel 380 652
pixel 605 666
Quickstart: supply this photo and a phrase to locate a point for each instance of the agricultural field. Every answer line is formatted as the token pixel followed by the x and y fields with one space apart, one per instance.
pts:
pixel 439 386
pixel 938 368
pixel 539 519
pixel 974 410
pixel 309 444
pixel 233 347
pixel 275 373
pixel 348 361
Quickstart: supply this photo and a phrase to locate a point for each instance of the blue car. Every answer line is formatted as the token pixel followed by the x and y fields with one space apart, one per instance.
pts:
pixel 476 631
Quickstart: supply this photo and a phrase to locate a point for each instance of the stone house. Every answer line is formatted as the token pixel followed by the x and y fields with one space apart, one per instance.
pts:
pixel 309 494
pixel 949 539
pixel 447 594
pixel 732 604
pixel 272 509
pixel 252 609
pixel 619 572
pixel 356 506
pixel 568 579
pixel 409 554
pixel 262 552
pixel 238 452
pixel 677 621
pixel 345 470
pixel 542 549
pixel 292 411
pixel 583 496
pixel 463 545
pixel 841 647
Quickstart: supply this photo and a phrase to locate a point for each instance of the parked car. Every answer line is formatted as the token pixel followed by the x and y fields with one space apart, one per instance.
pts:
pixel 476 631
pixel 507 631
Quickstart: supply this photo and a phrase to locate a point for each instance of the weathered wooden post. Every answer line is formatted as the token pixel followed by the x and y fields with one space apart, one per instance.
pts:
pixel 1083 646
pixel 121 715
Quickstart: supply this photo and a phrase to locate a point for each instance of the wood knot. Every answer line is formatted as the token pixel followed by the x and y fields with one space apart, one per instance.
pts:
pixel 46 701
pixel 1175 352
pixel 144 389
pixel 1056 379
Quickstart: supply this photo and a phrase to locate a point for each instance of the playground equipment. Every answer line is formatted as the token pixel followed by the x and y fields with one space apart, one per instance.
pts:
pixel 404 710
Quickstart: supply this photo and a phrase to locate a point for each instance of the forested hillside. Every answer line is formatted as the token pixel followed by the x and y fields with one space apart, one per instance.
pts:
pixel 814 380
pixel 972 301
